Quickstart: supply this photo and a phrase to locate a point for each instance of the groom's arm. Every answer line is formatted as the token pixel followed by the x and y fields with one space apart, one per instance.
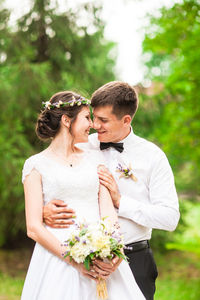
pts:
pixel 57 214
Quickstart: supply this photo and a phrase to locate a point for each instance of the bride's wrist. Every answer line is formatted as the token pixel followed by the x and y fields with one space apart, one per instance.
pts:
pixel 70 262
pixel 116 200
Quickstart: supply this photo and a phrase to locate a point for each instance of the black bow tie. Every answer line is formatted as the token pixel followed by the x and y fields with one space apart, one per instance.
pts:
pixel 118 146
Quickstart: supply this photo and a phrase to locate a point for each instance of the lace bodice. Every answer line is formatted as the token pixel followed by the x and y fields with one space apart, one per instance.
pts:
pixel 77 186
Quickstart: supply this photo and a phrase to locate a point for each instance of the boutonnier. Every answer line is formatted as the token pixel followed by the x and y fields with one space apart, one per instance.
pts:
pixel 126 172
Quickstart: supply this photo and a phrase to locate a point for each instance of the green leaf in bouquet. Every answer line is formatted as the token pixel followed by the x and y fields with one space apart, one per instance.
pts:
pixel 109 257
pixel 83 231
pixel 92 255
pixel 120 255
pixel 87 262
pixel 113 243
pixel 103 226
pixel 67 254
pixel 71 243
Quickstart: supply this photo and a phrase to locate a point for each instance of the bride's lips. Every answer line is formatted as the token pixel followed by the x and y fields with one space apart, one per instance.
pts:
pixel 102 132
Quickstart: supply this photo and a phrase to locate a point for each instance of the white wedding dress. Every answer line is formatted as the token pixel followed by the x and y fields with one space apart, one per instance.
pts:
pixel 49 277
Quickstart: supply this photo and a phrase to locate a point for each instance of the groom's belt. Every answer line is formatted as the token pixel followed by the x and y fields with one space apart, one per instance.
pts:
pixel 137 246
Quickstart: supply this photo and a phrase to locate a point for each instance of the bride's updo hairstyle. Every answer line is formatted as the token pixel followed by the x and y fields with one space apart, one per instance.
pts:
pixel 63 103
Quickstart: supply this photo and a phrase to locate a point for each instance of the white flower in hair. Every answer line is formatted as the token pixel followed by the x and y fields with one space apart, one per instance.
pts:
pixel 48 104
pixel 59 104
pixel 73 101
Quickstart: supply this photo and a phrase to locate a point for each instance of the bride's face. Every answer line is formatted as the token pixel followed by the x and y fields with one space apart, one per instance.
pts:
pixel 82 125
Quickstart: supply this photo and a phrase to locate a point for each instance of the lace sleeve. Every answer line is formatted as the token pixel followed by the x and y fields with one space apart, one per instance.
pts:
pixel 29 165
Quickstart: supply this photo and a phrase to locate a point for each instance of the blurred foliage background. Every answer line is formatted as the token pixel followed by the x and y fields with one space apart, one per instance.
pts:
pixel 47 51
pixel 44 53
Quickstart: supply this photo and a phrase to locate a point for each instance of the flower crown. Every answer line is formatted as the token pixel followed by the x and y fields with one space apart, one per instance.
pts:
pixel 74 101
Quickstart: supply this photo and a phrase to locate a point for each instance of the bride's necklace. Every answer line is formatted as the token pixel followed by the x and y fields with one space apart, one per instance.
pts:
pixel 70 163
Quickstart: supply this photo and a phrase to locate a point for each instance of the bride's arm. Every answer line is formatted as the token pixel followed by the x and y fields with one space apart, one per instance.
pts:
pixel 34 221
pixel 106 206
pixel 107 210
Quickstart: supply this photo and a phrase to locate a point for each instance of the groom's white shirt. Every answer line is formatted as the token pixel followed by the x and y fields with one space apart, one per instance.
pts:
pixel 152 201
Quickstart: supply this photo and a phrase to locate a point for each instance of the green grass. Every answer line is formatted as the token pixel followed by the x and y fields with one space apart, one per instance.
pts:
pixel 177 289
pixel 167 288
pixel 13 267
pixel 10 288
pixel 179 275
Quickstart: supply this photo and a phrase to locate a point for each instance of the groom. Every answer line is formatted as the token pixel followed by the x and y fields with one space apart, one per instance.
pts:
pixel 145 196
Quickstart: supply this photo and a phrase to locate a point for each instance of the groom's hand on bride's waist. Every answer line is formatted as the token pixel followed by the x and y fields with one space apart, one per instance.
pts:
pixel 57 214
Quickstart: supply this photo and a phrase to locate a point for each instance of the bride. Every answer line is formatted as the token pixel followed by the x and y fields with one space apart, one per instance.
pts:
pixel 64 171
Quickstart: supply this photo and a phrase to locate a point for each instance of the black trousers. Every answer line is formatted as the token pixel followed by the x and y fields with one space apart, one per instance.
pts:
pixel 144 269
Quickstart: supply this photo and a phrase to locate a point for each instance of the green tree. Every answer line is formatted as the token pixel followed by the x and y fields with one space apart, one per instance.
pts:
pixel 46 51
pixel 189 240
pixel 171 54
pixel 171 47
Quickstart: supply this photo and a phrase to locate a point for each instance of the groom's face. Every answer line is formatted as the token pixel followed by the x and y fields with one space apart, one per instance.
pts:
pixel 108 127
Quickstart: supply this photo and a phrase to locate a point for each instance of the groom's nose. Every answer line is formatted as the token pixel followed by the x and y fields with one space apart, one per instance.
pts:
pixel 96 124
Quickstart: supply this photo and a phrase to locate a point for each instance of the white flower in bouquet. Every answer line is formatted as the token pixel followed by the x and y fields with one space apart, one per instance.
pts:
pixel 95 240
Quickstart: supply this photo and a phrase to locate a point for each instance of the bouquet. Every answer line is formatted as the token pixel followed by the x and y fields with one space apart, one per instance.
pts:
pixel 95 240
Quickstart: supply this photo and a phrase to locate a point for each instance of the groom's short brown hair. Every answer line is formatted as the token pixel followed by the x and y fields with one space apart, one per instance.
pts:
pixel 120 95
